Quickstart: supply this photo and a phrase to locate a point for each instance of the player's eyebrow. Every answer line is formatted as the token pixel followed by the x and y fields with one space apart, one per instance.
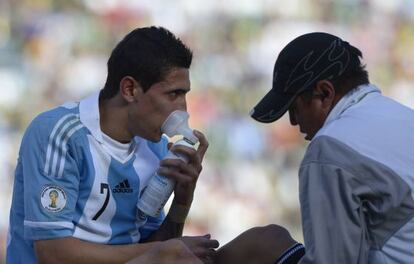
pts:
pixel 179 89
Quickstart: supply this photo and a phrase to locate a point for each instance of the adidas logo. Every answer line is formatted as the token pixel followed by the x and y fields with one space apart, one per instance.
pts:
pixel 122 187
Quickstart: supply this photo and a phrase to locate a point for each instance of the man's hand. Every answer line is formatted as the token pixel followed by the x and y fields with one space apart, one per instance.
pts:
pixel 186 175
pixel 170 251
pixel 201 246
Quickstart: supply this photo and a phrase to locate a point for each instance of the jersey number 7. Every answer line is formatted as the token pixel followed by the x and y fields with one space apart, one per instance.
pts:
pixel 108 194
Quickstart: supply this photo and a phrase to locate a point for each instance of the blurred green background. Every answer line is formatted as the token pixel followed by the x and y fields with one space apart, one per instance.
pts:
pixel 55 51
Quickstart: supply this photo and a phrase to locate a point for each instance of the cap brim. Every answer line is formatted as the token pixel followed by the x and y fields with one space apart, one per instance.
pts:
pixel 272 107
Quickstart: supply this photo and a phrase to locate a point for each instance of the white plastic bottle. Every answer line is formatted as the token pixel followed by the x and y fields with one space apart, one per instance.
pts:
pixel 160 188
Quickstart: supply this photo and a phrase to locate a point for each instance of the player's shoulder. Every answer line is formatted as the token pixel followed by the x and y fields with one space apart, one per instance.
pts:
pixel 61 119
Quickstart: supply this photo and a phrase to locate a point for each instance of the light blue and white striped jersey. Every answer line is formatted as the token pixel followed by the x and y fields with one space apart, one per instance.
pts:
pixel 68 184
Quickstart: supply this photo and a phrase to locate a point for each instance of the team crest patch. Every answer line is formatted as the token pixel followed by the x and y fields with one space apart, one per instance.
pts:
pixel 53 199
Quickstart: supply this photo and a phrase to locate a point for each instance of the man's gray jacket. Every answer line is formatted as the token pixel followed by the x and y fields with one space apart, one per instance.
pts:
pixel 357 183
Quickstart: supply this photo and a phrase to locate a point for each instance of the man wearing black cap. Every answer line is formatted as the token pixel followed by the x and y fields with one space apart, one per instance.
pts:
pixel 356 181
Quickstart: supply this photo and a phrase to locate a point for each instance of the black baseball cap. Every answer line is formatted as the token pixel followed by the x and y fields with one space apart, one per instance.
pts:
pixel 306 60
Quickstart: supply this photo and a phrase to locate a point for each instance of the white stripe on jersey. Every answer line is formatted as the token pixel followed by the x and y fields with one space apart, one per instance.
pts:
pixel 97 231
pixel 58 146
pixel 52 135
pixel 49 225
pixel 65 148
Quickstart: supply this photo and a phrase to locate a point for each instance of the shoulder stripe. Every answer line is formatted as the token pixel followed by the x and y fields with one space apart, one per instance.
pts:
pixel 64 148
pixel 52 135
pixel 54 149
pixel 56 144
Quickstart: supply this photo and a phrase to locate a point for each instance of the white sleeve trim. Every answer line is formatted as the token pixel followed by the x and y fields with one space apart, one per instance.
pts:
pixel 58 224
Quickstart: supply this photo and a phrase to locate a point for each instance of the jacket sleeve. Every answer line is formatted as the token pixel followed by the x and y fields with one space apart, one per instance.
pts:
pixel 333 221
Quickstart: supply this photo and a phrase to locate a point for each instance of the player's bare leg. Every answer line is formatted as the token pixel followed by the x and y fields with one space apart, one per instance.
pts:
pixel 257 245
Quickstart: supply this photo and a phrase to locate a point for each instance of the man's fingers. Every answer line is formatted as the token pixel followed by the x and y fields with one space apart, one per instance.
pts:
pixel 177 175
pixel 192 155
pixel 187 152
pixel 206 243
pixel 211 243
pixel 178 166
pixel 202 148
pixel 208 259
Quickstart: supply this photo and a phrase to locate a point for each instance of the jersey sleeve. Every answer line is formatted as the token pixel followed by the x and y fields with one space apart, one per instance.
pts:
pixel 50 177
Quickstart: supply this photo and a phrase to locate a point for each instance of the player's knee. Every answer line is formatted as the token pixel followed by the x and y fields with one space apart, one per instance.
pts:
pixel 271 232
pixel 274 240
pixel 276 231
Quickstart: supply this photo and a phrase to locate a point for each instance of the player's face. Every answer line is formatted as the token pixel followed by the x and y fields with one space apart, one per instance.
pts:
pixel 158 102
pixel 308 115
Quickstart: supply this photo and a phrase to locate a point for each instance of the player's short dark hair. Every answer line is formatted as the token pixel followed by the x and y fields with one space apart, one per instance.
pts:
pixel 353 76
pixel 146 54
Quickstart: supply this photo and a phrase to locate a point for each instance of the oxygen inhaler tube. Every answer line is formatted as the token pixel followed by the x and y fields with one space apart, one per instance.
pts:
pixel 160 188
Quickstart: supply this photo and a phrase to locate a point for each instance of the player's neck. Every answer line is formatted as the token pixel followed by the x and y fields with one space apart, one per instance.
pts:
pixel 114 119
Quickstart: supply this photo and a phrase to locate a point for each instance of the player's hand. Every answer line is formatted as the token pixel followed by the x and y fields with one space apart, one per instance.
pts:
pixel 170 251
pixel 201 246
pixel 186 175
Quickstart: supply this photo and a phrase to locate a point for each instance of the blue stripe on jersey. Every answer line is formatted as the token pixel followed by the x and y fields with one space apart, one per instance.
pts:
pixel 124 183
pixel 86 182
pixel 159 148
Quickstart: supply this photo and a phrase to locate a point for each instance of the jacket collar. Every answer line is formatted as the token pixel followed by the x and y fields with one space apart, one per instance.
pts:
pixel 350 99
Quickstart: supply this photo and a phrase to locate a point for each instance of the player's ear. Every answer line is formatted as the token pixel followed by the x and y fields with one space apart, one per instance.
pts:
pixel 130 89
pixel 326 92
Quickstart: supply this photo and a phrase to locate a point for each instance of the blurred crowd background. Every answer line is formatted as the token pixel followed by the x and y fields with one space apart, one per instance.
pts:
pixel 55 51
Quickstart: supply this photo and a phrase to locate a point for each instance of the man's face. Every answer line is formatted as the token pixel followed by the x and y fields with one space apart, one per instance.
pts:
pixel 162 98
pixel 308 114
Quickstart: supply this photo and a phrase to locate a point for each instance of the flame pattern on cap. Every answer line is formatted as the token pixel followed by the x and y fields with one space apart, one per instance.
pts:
pixel 335 55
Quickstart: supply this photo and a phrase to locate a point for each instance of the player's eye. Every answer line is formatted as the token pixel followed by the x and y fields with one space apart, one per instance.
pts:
pixel 175 94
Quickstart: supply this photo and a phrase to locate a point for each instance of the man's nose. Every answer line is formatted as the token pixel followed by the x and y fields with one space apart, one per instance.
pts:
pixel 183 105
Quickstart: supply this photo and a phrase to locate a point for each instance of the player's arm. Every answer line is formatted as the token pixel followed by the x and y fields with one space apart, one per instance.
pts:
pixel 186 176
pixel 73 250
pixel 172 251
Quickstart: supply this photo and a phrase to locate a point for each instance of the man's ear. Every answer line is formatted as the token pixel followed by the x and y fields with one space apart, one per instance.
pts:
pixel 326 91
pixel 130 89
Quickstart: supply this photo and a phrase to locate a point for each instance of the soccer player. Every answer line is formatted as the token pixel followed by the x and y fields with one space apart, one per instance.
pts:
pixel 356 181
pixel 82 166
